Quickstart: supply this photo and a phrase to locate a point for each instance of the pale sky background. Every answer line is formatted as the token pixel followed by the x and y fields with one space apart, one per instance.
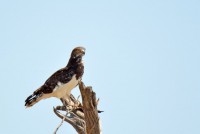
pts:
pixel 142 60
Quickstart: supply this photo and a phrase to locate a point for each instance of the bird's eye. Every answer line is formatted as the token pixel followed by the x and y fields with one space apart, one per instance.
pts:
pixel 83 52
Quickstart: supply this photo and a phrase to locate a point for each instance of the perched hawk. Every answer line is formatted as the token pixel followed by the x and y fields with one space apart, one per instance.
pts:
pixel 61 83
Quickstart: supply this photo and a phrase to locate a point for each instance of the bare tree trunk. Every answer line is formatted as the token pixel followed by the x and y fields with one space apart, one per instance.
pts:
pixel 84 118
pixel 90 109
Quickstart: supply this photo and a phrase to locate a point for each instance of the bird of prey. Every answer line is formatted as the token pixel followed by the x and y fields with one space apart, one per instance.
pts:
pixel 61 83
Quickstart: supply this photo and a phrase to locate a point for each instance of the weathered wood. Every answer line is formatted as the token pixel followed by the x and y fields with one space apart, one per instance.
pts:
pixel 76 122
pixel 90 109
pixel 83 117
pixel 75 116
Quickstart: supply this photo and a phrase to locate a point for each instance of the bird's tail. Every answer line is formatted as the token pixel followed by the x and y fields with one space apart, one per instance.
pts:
pixel 33 99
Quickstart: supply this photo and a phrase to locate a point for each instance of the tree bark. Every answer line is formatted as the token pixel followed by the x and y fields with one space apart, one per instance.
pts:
pixel 90 109
pixel 83 117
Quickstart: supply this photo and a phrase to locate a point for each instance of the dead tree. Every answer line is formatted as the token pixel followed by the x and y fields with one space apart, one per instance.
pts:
pixel 82 116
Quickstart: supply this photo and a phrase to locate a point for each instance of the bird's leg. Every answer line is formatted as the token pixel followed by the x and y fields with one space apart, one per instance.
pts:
pixel 73 102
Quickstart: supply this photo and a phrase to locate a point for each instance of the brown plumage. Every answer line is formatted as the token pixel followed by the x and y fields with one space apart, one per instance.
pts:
pixel 61 83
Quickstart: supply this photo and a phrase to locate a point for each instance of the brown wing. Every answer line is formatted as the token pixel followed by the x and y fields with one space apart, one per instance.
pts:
pixel 63 75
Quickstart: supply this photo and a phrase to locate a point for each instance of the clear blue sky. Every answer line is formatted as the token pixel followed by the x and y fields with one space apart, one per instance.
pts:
pixel 142 60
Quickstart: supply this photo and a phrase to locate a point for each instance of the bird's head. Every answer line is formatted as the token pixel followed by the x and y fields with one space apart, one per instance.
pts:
pixel 76 56
pixel 78 52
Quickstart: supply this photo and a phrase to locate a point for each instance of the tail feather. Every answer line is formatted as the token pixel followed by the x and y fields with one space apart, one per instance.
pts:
pixel 32 99
pixel 28 98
